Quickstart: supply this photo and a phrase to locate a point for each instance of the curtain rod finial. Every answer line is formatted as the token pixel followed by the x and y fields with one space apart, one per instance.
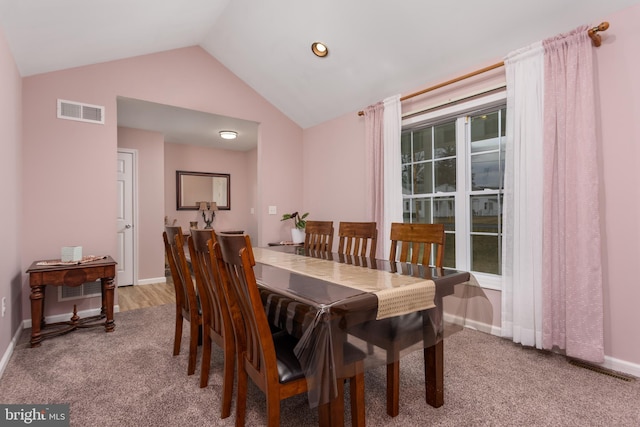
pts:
pixel 593 33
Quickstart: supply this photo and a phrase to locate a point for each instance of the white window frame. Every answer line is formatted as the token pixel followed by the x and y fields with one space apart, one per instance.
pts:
pixel 463 213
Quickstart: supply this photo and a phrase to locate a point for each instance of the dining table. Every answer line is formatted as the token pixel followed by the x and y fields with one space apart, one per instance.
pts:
pixel 319 296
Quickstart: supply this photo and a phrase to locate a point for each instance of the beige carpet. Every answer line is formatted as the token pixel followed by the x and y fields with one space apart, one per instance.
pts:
pixel 130 378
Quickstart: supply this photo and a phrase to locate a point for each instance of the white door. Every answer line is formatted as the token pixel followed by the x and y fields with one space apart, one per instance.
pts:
pixel 125 223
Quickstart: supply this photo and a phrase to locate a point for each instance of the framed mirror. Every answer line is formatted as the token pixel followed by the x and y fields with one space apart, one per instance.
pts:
pixel 195 187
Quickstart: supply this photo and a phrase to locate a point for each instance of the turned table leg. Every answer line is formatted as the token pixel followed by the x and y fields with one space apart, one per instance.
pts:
pixel 37 319
pixel 107 302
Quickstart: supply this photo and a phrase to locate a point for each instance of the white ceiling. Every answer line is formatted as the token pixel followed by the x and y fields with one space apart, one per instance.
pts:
pixel 377 47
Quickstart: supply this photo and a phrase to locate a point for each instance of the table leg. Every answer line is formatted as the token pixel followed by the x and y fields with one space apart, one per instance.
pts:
pixel 37 319
pixel 332 413
pixel 434 374
pixel 324 414
pixel 107 295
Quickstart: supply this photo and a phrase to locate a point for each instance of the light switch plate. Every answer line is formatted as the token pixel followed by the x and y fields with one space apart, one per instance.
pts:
pixel 272 210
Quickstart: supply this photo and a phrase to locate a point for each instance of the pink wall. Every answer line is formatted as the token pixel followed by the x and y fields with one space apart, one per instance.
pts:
pixel 334 176
pixel 283 169
pixel 618 68
pixel 151 193
pixel 334 161
pixel 202 159
pixel 69 174
pixel 10 194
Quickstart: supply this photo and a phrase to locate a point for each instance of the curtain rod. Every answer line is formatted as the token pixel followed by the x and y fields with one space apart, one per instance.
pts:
pixel 593 34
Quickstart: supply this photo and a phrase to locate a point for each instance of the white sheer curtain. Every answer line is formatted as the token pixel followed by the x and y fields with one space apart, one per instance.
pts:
pixel 393 172
pixel 522 214
pixel 384 167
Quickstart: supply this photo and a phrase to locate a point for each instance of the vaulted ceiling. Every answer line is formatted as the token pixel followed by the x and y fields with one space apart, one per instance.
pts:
pixel 377 48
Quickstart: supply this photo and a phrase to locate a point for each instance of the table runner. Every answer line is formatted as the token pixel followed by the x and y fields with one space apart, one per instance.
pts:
pixel 397 294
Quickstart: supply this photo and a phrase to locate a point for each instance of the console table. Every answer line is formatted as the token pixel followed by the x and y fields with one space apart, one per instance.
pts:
pixel 70 275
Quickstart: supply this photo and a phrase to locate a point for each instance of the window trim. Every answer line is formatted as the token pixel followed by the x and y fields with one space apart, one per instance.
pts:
pixel 416 121
pixel 468 107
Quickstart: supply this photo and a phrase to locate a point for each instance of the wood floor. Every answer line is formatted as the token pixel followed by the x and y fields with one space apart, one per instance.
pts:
pixel 140 296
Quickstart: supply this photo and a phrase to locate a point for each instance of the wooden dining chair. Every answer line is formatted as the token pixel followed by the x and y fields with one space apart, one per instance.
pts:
pixel 358 239
pixel 415 242
pixel 268 359
pixel 319 236
pixel 216 321
pixel 409 243
pixel 187 304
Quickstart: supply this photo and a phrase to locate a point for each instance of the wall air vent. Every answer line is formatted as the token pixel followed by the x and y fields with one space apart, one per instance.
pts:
pixel 81 112
pixel 86 290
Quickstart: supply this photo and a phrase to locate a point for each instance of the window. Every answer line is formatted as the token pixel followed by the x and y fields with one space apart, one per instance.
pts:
pixel 453 173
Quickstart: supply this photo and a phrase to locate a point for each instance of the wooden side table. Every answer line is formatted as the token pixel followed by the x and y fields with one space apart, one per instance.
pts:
pixel 70 275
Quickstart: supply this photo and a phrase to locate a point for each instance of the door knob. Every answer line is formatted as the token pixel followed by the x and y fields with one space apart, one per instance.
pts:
pixel 128 226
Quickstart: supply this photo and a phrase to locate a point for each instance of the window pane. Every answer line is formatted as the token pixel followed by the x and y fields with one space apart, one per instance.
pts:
pixel 503 121
pixel 407 178
pixel 445 174
pixel 422 180
pixel 444 212
pixel 450 250
pixel 406 210
pixel 485 214
pixel 484 126
pixel 486 171
pixel 502 157
pixel 485 256
pixel 421 211
pixel 405 147
pixel 422 145
pixel 445 140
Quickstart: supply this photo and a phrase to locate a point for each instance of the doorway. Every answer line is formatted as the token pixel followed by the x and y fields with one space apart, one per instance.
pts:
pixel 126 215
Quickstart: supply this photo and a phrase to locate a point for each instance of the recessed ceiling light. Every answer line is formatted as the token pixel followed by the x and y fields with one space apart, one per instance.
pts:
pixel 228 134
pixel 319 49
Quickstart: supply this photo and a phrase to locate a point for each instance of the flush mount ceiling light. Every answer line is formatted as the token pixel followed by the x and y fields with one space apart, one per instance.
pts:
pixel 319 49
pixel 228 134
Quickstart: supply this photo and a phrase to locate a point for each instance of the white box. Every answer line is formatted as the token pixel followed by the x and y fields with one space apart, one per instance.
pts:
pixel 71 253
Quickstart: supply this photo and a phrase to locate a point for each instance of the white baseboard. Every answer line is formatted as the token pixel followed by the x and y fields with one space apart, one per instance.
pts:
pixel 622 366
pixel 7 354
pixel 473 324
pixel 152 281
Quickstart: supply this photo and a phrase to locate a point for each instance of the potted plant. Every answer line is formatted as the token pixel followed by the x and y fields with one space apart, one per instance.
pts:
pixel 299 223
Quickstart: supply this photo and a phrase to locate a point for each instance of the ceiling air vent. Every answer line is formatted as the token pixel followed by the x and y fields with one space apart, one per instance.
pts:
pixel 81 112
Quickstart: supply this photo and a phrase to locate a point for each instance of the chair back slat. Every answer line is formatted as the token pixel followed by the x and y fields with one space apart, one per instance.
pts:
pixel 415 242
pixel 358 239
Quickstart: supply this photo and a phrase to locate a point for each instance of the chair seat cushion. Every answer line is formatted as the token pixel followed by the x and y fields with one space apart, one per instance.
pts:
pixel 289 368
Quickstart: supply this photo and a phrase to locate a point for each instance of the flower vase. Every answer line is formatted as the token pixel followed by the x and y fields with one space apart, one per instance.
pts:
pixel 297 235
